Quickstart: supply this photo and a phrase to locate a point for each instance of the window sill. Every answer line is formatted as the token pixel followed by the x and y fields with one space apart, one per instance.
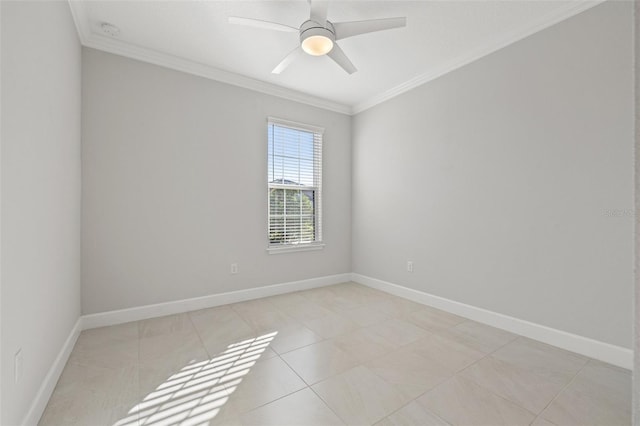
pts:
pixel 295 247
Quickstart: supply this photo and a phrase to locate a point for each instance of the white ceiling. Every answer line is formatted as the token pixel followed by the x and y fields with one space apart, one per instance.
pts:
pixel 194 36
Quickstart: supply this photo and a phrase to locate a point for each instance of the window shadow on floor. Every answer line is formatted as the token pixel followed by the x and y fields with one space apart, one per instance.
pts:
pixel 196 394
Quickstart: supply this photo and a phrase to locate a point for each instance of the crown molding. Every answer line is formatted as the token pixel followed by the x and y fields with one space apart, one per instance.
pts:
pixel 572 9
pixel 97 41
pixel 111 45
pixel 121 48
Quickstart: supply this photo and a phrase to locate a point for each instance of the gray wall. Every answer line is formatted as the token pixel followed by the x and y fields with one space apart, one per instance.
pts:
pixel 636 361
pixel 40 224
pixel 499 180
pixel 174 186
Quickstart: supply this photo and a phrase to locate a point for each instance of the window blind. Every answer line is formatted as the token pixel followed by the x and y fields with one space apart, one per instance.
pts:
pixel 294 183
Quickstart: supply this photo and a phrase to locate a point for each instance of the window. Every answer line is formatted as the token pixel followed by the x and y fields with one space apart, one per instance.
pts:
pixel 294 185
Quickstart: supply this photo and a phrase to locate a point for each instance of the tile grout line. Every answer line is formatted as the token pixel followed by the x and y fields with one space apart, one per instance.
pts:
pixel 563 388
pixel 182 385
pixel 327 405
pixel 485 356
pixel 421 406
pixel 513 402
pixel 429 358
pixel 476 383
pixel 193 324
pixel 225 386
pixel 312 390
pixel 400 347
pixel 363 363
pixel 307 386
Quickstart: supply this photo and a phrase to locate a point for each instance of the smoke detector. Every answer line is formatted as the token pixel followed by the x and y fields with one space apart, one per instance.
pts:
pixel 110 30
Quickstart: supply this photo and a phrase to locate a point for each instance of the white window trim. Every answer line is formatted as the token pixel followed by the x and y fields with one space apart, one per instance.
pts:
pixel 296 247
pixel 290 248
pixel 294 125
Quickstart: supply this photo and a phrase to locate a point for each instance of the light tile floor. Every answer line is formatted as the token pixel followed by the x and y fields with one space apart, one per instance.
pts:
pixel 343 354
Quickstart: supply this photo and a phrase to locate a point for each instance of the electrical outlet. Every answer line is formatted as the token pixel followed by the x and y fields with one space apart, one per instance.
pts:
pixel 18 367
pixel 234 268
pixel 409 266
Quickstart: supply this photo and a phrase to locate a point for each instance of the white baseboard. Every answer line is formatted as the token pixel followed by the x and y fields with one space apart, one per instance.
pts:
pixel 616 355
pixel 179 306
pixel 606 352
pixel 49 383
pixel 151 311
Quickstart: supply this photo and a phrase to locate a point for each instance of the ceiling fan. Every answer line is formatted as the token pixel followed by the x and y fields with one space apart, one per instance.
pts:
pixel 318 36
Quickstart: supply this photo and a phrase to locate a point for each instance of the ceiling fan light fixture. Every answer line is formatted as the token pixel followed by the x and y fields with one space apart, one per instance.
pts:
pixel 317 45
pixel 318 35
pixel 315 40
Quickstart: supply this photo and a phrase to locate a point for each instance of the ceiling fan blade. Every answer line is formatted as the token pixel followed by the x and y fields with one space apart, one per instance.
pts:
pixel 292 56
pixel 266 25
pixel 350 29
pixel 319 11
pixel 341 59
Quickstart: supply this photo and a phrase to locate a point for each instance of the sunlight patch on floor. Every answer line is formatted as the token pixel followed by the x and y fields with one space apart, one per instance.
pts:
pixel 195 394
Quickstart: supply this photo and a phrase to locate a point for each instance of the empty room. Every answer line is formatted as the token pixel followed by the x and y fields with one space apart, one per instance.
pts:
pixel 307 212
